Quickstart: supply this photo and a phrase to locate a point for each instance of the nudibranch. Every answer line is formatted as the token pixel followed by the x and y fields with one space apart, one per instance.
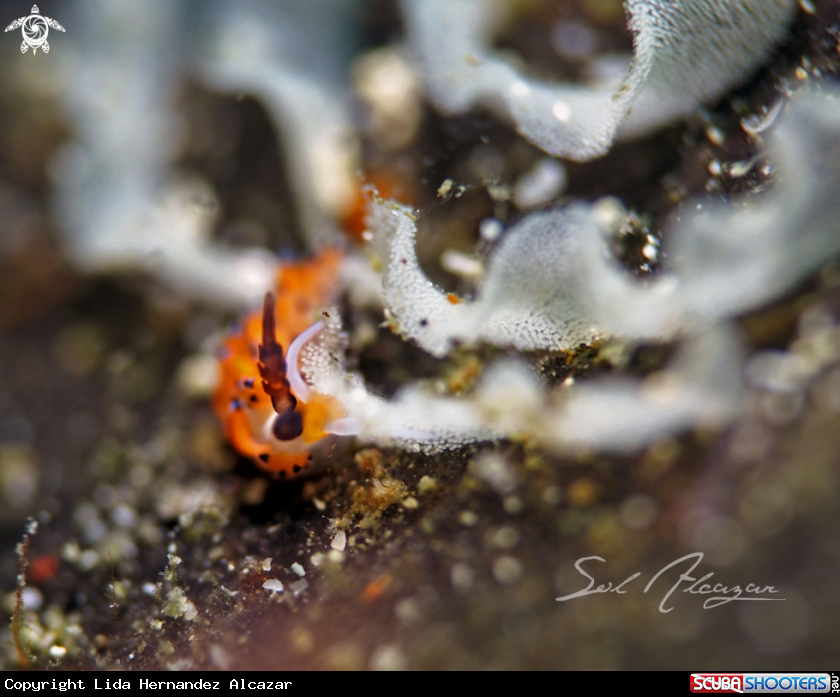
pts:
pixel 270 413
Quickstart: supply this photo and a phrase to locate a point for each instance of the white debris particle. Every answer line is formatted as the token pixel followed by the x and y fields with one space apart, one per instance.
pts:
pixel 512 505
pixel 388 657
pixel 198 375
pixel 552 495
pixel 540 184
pixel 149 588
pixel 638 512
pixel 445 188
pixel 650 252
pixel 317 559
pixel 298 569
pixel 124 516
pixel 504 538
pixel 339 542
pixel 179 605
pixel 265 564
pixel 462 576
pixel 715 135
pixel 319 505
pixel 228 592
pixel 18 476
pixel 467 518
pixel 273 585
pixel 32 598
pixel 57 651
pixel 70 551
pixel 298 587
pixel 426 484
pixel 507 570
pixel 410 503
pixel 495 471
pixel 336 556
pixel 408 611
pixel 221 658
pixel 461 264
pixel 490 229
pixel 88 559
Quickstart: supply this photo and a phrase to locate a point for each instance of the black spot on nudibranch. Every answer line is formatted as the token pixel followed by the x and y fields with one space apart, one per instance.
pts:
pixel 288 426
pixel 263 457
pixel 424 322
pixel 296 468
pixel 254 398
pixel 248 382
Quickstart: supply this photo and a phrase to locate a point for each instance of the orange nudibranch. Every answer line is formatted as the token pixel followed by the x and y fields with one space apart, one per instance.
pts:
pixel 269 413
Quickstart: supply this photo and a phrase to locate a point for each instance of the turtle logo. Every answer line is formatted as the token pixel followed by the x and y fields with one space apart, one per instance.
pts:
pixel 35 30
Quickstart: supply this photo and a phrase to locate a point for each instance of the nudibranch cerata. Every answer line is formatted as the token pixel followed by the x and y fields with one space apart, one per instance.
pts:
pixel 269 412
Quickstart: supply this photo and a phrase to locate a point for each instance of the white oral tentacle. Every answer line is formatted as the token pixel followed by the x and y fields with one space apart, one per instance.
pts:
pixel 298 384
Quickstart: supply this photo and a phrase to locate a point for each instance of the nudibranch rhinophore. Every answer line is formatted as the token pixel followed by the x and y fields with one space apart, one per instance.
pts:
pixel 269 412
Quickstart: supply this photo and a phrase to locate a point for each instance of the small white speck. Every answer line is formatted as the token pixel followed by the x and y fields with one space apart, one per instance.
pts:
pixel 57 651
pixel 265 564
pixel 298 569
pixel 490 229
pixel 273 585
pixel 32 598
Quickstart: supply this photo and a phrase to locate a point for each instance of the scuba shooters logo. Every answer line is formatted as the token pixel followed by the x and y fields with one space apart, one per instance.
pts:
pixel 753 683
pixel 35 29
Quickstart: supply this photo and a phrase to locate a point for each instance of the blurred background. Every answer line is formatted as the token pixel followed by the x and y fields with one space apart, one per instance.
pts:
pixel 156 162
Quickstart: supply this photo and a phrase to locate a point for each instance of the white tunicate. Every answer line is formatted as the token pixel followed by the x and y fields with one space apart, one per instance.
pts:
pixel 686 52
pixel 120 206
pixel 703 386
pixel 550 284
